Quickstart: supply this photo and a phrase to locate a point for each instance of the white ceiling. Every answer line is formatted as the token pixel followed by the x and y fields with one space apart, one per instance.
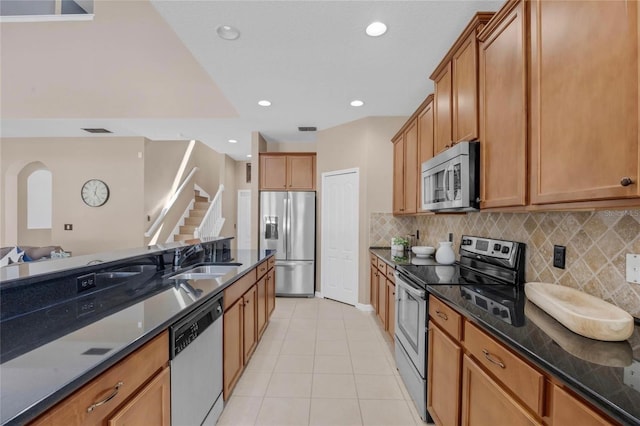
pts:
pixel 309 58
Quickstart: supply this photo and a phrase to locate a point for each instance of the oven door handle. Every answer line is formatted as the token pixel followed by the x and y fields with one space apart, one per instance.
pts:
pixel 406 285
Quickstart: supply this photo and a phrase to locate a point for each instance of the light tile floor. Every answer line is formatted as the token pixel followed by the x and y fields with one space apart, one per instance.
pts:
pixel 321 362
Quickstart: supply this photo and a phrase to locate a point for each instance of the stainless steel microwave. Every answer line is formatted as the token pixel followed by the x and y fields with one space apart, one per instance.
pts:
pixel 451 179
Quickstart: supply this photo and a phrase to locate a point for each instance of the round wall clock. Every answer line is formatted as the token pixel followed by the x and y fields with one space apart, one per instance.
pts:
pixel 95 193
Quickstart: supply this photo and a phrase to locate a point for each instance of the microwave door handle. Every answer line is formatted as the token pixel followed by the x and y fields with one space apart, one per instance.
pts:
pixel 451 193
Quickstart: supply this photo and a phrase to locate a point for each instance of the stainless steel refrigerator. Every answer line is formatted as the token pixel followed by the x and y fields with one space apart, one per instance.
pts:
pixel 288 225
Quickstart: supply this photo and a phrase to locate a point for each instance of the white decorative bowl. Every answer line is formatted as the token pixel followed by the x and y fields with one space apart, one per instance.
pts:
pixel 423 251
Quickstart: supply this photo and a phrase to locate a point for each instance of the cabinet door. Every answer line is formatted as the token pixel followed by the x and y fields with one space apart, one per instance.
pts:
pixel 273 172
pixel 114 387
pixel 261 288
pixel 374 288
pixel 411 168
pixel 425 134
pixel 584 100
pixel 391 308
pixel 250 322
pixel 382 299
pixel 443 377
pixel 503 112
pixel 567 410
pixel 151 405
pixel 486 403
pixel 442 111
pixel 301 172
pixel 465 91
pixel 398 175
pixel 271 291
pixel 232 347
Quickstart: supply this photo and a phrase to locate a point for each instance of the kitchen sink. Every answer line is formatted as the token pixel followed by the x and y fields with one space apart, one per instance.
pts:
pixel 205 272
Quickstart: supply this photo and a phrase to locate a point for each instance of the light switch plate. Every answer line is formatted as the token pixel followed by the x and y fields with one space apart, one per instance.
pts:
pixel 633 268
pixel 632 375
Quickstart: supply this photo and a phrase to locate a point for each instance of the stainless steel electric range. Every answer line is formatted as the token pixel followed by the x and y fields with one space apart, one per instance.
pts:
pixel 490 273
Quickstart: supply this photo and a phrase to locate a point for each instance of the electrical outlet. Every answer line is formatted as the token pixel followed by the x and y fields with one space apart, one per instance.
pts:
pixel 633 268
pixel 85 282
pixel 559 256
pixel 68 227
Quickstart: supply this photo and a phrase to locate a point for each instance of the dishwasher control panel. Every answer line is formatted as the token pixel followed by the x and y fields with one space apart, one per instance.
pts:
pixel 185 331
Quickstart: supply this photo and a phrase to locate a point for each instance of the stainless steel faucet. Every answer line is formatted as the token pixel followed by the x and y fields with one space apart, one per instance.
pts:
pixel 179 256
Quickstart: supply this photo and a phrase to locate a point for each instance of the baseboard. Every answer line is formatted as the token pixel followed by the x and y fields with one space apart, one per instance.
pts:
pixel 319 295
pixel 364 307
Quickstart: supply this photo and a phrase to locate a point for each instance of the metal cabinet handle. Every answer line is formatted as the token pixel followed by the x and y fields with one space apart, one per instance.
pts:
pixel 626 181
pixel 442 315
pixel 95 405
pixel 490 357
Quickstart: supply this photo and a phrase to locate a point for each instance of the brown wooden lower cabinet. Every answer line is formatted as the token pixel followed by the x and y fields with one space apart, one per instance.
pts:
pixel 486 403
pixel 245 320
pixel 391 308
pixel 139 385
pixel 271 291
pixel 374 288
pixel 382 299
pixel 444 373
pixel 475 380
pixel 262 305
pixel 232 344
pixel 568 410
pixel 250 322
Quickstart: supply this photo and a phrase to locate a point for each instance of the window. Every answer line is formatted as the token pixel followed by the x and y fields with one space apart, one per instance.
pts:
pixel 39 200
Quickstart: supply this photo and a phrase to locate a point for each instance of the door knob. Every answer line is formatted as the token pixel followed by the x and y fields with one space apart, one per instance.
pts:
pixel 626 181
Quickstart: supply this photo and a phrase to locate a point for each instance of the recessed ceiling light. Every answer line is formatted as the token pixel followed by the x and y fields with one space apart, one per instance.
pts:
pixel 357 103
pixel 376 29
pixel 264 103
pixel 227 32
pixel 248 155
pixel 233 141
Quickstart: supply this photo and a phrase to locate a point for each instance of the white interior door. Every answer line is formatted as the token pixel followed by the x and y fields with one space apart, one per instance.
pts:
pixel 340 236
pixel 244 219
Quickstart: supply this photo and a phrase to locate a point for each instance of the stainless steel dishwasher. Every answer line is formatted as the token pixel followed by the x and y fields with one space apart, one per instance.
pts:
pixel 196 366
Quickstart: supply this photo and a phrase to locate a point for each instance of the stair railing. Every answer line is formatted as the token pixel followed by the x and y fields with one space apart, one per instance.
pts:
pixel 170 203
pixel 212 221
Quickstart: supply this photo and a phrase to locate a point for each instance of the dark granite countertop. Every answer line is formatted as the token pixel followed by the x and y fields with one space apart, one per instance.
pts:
pixel 44 352
pixel 604 373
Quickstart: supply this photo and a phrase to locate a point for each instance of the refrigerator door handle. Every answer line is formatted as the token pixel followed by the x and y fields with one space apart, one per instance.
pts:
pixel 288 213
pixel 292 264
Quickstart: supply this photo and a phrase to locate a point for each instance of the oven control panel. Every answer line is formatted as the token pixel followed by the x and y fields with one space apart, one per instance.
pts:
pixel 498 249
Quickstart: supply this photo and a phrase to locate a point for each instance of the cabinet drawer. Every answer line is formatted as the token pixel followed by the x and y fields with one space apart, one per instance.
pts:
pixel 262 269
pixel 448 319
pixel 374 260
pixel 130 374
pixel 390 274
pixel 271 262
pixel 506 367
pixel 240 287
pixel 382 266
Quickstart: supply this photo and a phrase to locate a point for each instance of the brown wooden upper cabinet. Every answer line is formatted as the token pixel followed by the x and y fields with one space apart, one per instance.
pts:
pixel 405 169
pixel 503 108
pixel 456 88
pixel 412 145
pixel 584 101
pixel 288 171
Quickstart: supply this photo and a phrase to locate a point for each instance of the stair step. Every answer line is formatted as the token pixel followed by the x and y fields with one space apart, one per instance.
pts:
pixel 188 229
pixel 201 199
pixel 182 237
pixel 197 213
pixel 201 205
pixel 196 221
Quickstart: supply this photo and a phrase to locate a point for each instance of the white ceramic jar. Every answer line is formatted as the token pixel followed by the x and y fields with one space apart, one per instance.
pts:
pixel 445 254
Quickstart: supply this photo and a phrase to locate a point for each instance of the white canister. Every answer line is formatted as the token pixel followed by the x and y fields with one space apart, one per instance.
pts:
pixel 445 254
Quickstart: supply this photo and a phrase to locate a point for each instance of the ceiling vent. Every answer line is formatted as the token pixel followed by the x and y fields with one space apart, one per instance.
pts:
pixel 97 130
pixel 307 129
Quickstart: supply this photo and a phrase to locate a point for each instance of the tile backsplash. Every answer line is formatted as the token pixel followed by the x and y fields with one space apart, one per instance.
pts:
pixel 597 244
